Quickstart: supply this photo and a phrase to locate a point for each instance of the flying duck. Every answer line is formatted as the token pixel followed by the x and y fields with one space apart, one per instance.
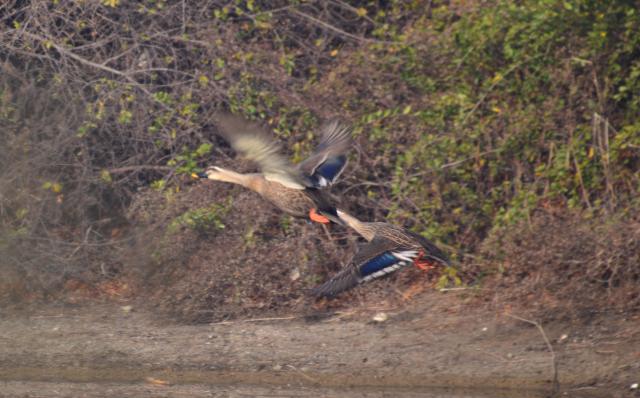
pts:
pixel 389 248
pixel 296 190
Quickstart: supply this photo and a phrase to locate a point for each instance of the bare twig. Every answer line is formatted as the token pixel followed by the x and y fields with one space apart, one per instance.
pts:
pixel 600 133
pixel 454 163
pixel 353 10
pixel 282 318
pixel 72 55
pixel 555 388
pixel 583 190
pixel 365 184
pixel 339 31
pixel 138 167
pixel 457 162
pixel 311 379
pixel 456 289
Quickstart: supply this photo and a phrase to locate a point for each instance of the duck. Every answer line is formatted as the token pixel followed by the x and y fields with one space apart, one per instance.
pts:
pixel 299 190
pixel 389 249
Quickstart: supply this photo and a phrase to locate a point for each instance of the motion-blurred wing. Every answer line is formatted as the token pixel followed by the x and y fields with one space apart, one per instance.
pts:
pixel 343 280
pixel 252 142
pixel 377 258
pixel 326 163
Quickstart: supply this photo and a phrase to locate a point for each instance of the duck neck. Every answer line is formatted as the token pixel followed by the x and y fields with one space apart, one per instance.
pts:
pixel 360 227
pixel 246 180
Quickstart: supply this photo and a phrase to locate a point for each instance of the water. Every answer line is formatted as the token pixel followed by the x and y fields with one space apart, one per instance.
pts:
pixel 149 389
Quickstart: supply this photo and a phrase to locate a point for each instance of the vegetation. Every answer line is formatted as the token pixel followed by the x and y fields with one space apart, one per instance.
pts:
pixel 203 220
pixel 469 117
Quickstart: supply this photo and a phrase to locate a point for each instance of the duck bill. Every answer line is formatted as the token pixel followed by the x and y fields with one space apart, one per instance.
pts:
pixel 198 175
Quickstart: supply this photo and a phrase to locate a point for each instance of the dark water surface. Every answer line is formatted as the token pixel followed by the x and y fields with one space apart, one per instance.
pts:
pixel 90 390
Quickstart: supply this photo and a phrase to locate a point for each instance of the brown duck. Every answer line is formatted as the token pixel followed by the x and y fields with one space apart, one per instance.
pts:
pixel 296 190
pixel 389 248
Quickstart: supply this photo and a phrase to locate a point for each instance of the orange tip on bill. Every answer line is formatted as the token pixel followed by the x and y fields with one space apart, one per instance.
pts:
pixel 194 176
pixel 317 217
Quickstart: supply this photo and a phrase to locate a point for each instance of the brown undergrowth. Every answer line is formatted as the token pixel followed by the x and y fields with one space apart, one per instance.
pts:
pixel 260 263
pixel 253 262
pixel 566 265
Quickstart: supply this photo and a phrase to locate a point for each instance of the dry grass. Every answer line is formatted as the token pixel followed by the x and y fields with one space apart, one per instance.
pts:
pixel 261 264
pixel 567 265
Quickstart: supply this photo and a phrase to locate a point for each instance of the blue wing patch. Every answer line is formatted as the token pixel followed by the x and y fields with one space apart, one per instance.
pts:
pixel 329 170
pixel 378 263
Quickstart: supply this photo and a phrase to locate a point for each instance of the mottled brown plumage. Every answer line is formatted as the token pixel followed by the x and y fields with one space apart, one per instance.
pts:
pixel 296 190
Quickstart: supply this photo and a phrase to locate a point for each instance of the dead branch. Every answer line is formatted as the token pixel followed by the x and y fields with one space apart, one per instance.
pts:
pixel 72 55
pixel 339 31
pixel 138 167
pixel 555 387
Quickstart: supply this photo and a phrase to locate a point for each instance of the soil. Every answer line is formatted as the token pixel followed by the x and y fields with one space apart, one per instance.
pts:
pixel 433 341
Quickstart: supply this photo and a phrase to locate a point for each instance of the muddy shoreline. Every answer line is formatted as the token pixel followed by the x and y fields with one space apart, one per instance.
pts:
pixel 414 348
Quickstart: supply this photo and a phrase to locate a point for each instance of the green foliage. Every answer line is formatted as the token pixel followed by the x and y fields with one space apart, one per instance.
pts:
pixel 54 187
pixel 187 161
pixel 518 113
pixel 449 277
pixel 106 176
pixel 125 117
pixel 288 63
pixel 162 97
pixel 9 236
pixel 202 220
pixel 246 99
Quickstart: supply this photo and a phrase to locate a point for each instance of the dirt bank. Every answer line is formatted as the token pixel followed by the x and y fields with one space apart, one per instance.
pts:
pixel 432 342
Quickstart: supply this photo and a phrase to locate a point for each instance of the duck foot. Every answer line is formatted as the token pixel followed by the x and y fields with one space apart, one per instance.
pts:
pixel 424 265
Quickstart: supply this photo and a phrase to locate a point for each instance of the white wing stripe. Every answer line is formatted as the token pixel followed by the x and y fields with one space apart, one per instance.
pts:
pixel 323 182
pixel 384 271
pixel 407 255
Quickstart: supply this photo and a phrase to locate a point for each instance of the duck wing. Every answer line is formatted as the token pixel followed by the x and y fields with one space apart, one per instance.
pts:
pixel 252 142
pixel 406 238
pixel 431 251
pixel 377 258
pixel 328 160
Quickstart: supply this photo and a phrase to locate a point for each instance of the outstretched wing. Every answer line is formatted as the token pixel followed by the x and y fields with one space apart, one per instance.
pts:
pixel 377 258
pixel 252 142
pixel 328 160
pixel 431 251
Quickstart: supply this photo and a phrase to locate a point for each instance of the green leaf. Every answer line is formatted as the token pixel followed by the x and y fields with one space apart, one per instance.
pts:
pixel 203 149
pixel 125 116
pixel 106 176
